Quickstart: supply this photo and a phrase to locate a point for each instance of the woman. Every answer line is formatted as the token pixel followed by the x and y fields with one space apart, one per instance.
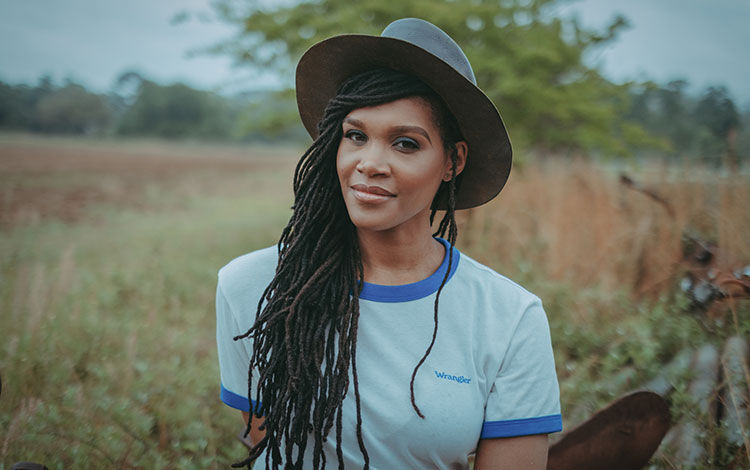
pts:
pixel 376 344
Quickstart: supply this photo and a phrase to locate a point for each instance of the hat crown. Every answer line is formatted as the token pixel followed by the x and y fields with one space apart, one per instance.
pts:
pixel 432 39
pixel 415 47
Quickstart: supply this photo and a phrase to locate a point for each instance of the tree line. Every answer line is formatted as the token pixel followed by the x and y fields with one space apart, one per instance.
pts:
pixel 705 127
pixel 173 111
pixel 529 61
pixel 671 122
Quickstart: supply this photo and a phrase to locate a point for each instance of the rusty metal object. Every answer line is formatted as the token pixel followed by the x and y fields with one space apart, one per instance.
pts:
pixel 704 282
pixel 734 284
pixel 622 436
pixel 706 285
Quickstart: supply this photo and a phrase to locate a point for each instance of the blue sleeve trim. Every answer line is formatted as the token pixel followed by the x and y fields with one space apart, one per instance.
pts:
pixel 522 427
pixel 239 402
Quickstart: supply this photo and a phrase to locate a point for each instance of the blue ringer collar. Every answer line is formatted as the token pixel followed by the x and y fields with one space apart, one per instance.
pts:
pixel 415 290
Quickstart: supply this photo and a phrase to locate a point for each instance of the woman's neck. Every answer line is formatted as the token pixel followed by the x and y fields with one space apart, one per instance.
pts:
pixel 395 258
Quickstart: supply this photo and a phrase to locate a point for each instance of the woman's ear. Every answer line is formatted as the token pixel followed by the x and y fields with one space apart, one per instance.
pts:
pixel 462 150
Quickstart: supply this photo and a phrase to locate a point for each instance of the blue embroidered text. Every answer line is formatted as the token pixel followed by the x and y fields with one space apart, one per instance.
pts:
pixel 460 379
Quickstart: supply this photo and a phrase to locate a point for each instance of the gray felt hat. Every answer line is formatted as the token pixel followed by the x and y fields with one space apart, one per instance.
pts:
pixel 419 48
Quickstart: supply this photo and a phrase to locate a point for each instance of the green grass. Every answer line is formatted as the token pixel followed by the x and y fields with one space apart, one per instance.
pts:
pixel 108 352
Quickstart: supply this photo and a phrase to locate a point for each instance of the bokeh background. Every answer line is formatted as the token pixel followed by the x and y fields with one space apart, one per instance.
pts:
pixel 145 144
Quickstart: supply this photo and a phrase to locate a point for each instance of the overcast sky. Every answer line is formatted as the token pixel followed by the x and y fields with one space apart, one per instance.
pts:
pixel 93 41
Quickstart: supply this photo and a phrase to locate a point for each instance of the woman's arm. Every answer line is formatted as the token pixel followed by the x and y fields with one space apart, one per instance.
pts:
pixel 511 453
pixel 255 433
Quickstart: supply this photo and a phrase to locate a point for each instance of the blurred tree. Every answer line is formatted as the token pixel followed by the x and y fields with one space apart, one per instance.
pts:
pixel 255 122
pixel 176 111
pixel 44 88
pixel 700 128
pixel 14 114
pixel 529 62
pixel 743 136
pixel 127 85
pixel 72 110
pixel 667 112
pixel 18 103
pixel 717 113
pixel 675 119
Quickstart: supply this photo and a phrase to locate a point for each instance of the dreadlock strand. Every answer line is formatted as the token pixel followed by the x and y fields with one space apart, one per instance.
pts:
pixel 360 440
pixel 449 215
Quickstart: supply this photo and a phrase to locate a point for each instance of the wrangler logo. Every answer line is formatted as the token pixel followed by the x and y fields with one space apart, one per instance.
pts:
pixel 460 379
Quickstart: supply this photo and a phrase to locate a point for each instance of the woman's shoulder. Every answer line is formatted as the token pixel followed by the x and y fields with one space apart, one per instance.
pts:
pixel 484 277
pixel 502 307
pixel 249 272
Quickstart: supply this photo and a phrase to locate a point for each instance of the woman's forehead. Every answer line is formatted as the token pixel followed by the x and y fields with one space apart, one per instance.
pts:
pixel 410 111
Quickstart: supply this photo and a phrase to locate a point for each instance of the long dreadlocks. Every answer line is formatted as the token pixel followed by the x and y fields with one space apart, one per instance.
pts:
pixel 305 333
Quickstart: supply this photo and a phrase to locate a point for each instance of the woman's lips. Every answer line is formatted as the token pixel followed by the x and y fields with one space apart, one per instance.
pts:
pixel 366 193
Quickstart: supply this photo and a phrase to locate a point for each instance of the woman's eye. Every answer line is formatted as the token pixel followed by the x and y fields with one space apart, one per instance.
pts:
pixel 356 136
pixel 406 144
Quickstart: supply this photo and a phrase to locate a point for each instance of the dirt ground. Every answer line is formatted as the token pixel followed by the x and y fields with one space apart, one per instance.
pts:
pixel 42 178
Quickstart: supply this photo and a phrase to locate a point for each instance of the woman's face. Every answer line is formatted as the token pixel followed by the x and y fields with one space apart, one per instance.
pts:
pixel 390 163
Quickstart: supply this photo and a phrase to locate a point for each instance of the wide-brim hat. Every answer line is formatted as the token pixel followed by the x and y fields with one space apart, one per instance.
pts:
pixel 419 48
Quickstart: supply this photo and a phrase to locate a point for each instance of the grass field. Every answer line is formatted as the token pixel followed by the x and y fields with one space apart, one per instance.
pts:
pixel 108 260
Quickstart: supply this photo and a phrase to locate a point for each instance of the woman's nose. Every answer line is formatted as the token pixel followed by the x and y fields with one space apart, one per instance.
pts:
pixel 373 161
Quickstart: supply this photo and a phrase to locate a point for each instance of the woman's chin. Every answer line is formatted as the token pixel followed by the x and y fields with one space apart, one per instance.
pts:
pixel 369 225
pixel 390 224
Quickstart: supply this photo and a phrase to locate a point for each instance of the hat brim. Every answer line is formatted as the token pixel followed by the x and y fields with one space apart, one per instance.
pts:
pixel 327 64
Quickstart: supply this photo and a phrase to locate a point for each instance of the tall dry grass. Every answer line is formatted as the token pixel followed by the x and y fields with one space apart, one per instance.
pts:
pixel 577 223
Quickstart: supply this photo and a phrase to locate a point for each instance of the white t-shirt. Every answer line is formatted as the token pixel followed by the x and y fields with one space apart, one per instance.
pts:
pixel 490 374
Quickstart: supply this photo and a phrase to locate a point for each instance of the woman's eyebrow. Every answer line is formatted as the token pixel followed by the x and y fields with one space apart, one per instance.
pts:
pixel 354 122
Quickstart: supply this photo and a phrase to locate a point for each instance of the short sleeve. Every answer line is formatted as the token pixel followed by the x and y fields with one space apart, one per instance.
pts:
pixel 525 397
pixel 234 356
